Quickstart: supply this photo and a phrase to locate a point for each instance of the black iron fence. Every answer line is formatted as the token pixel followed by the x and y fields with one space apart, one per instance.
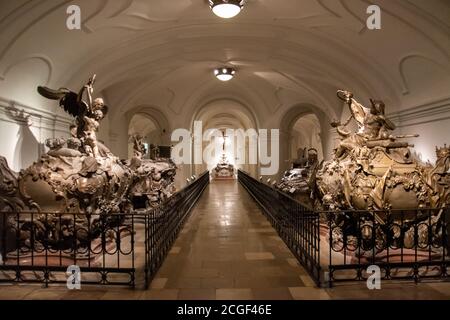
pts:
pixel 337 246
pixel 298 226
pixel 403 244
pixel 163 224
pixel 100 249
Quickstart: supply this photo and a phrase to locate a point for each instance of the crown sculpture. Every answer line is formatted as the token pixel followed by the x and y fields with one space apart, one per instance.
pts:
pixel 78 177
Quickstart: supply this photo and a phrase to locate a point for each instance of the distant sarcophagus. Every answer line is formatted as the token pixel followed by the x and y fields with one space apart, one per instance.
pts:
pixel 224 169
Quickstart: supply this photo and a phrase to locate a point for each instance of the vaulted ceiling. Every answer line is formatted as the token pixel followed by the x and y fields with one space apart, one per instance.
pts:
pixel 161 54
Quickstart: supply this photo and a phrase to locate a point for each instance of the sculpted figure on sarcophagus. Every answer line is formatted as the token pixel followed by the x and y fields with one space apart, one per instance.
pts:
pixel 77 179
pixel 373 169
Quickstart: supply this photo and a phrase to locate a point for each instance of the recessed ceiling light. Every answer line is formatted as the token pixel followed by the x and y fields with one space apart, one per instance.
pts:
pixel 224 73
pixel 226 8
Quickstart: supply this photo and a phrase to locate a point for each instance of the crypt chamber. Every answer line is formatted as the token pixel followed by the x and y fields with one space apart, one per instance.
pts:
pixel 290 148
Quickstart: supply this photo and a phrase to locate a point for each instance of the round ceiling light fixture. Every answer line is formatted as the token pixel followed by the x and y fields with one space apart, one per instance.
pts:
pixel 226 8
pixel 224 73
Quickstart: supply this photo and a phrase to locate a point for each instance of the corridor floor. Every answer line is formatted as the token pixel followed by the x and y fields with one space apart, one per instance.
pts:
pixel 227 250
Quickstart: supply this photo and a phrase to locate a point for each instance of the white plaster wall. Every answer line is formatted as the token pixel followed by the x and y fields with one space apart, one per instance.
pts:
pixel 8 133
pixel 431 122
pixel 22 143
pixel 432 134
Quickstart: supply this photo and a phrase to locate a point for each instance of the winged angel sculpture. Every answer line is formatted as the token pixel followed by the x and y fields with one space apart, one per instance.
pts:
pixel 88 113
pixel 78 189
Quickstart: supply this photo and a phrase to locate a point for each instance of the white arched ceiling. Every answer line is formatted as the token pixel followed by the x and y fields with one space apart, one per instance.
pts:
pixel 162 50
pixel 153 113
pixel 141 125
pixel 224 113
pixel 161 53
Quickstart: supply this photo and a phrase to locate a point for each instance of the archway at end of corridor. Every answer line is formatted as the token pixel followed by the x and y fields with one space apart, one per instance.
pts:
pixel 223 115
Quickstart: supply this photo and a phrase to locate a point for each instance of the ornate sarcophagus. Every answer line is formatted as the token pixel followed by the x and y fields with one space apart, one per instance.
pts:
pixel 224 169
pixel 375 189
pixel 77 195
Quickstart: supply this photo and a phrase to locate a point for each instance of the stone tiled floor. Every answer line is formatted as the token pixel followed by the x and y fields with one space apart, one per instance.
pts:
pixel 228 250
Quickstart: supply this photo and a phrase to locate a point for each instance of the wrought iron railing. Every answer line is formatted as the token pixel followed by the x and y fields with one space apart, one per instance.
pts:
pixel 106 249
pixel 164 223
pixel 298 226
pixel 39 247
pixel 337 246
pixel 404 244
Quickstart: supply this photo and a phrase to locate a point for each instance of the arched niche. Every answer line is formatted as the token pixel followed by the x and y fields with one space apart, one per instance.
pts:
pixel 146 127
pixel 146 121
pixel 305 133
pixel 302 124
